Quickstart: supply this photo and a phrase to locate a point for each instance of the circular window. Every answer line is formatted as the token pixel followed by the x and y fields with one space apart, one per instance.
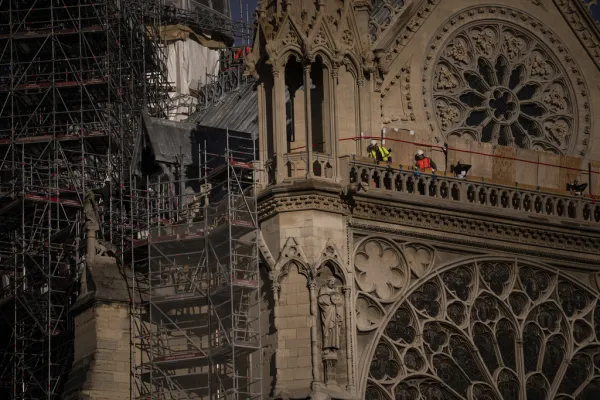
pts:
pixel 499 83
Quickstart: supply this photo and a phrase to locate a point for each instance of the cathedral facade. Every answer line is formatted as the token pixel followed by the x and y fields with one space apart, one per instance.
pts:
pixel 381 282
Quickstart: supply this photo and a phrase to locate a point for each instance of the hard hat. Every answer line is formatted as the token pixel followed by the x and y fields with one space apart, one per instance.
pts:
pixel 373 142
pixel 420 153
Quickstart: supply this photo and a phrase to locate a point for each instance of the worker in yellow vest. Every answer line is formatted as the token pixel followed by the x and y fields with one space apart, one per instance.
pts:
pixel 379 152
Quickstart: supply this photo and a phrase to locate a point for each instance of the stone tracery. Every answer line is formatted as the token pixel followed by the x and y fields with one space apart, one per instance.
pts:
pixel 489 329
pixel 498 83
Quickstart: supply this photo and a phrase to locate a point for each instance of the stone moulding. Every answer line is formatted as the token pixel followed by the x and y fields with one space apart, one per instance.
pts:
pixel 449 227
pixel 482 243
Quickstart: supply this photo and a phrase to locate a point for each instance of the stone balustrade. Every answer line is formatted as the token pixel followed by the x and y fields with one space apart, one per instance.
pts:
pixel 477 193
pixel 296 165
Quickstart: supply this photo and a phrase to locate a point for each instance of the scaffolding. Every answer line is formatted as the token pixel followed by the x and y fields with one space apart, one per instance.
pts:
pixel 195 267
pixel 74 78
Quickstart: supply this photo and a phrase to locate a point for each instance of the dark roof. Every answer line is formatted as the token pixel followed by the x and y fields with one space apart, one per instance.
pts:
pixel 170 140
pixel 237 111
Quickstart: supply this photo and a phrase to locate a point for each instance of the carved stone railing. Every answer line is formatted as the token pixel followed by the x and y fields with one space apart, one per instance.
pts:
pixel 296 165
pixel 486 195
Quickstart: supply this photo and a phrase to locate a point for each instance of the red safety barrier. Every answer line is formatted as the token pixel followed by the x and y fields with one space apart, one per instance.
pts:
pixel 469 152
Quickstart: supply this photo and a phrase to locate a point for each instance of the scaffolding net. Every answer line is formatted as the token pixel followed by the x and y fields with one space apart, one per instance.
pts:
pixel 195 268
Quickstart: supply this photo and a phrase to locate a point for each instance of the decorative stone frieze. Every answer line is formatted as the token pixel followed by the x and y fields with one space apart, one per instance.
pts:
pixel 487 233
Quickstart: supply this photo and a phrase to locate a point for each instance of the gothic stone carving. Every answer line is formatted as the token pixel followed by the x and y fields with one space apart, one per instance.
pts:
pixel 488 328
pixel 506 237
pixel 331 312
pixel 382 14
pixel 501 82
pixel 379 270
pixel 577 19
pixel 90 210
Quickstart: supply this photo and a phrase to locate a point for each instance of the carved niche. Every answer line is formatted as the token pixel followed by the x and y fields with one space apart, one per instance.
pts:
pixel 498 75
pixel 331 312
pixel 488 328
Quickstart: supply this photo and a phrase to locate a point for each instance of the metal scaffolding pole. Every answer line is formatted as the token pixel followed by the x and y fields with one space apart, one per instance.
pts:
pixel 197 314
pixel 73 78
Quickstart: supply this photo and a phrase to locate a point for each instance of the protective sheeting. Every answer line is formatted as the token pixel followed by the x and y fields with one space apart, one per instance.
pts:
pixel 189 64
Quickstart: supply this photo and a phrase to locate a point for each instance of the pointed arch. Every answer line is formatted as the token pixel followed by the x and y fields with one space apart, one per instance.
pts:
pixel 292 253
pixel 509 320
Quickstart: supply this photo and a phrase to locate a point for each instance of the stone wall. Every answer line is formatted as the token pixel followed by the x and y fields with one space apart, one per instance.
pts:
pixel 101 369
pixel 293 332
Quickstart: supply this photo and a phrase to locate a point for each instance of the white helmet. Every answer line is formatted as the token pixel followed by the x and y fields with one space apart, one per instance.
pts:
pixel 373 142
pixel 420 152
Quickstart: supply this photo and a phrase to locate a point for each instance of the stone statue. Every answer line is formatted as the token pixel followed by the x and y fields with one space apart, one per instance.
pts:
pixel 330 306
pixel 90 209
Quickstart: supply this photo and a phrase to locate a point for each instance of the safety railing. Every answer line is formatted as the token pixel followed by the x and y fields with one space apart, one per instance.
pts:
pixel 486 195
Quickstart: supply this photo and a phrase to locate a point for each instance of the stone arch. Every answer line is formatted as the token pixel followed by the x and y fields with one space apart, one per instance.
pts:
pixel 352 64
pixel 508 316
pixel 291 254
pixel 287 53
pixel 325 54
pixel 354 61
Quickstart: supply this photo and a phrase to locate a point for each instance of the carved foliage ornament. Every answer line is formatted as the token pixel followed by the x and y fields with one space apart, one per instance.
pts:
pixel 500 83
pixel 490 329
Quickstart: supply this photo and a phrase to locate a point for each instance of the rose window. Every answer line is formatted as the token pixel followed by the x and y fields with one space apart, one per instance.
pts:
pixel 489 329
pixel 501 85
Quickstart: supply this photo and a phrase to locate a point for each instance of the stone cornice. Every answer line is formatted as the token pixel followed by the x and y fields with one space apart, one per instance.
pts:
pixel 422 217
pixel 583 25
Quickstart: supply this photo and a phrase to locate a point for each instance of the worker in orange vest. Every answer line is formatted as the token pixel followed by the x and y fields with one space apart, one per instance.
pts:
pixel 242 52
pixel 423 163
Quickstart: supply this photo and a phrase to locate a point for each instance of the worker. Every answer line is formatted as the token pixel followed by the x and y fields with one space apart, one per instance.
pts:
pixel 378 152
pixel 424 163
pixel 242 52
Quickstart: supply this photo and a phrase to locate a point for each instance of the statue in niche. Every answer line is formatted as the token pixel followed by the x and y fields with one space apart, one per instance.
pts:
pixel 330 307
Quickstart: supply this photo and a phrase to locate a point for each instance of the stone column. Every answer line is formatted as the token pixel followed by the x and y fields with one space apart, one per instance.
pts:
pixel 279 140
pixel 361 116
pixel 314 336
pixel 263 153
pixel 308 114
pixel 90 252
pixel 276 288
pixel 333 134
pixel 347 290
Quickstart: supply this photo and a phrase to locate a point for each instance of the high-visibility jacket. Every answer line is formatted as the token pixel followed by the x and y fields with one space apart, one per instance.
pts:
pixel 380 153
pixel 241 52
pixel 425 163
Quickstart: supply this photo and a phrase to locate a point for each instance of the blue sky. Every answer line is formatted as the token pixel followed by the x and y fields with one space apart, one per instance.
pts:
pixel 235 8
